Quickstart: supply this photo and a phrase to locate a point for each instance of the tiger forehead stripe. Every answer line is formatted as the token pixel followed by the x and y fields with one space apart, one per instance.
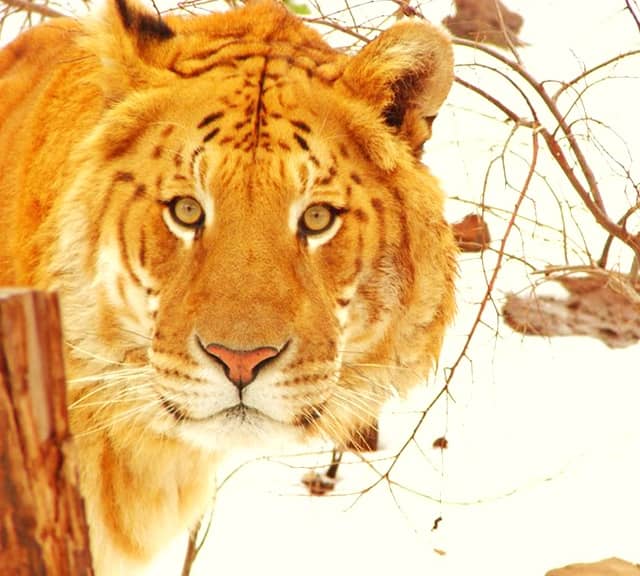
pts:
pixel 177 158
pixel 213 59
pixel 167 130
pixel 329 177
pixel 121 176
pixel 301 141
pixel 194 156
pixel 301 125
pixel 211 135
pixel 210 118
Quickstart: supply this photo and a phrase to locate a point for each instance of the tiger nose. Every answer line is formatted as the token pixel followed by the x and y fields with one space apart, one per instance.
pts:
pixel 242 366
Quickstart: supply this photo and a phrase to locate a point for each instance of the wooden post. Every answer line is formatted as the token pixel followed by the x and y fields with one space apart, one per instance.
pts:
pixel 43 531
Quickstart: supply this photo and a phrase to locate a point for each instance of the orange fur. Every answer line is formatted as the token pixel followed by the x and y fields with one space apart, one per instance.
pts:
pixel 105 124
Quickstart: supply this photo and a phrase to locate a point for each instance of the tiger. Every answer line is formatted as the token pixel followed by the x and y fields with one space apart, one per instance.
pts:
pixel 244 239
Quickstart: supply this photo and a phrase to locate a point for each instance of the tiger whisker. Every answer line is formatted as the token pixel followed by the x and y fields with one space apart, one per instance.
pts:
pixel 110 402
pixel 124 374
pixel 381 366
pixel 335 426
pixel 358 398
pixel 386 388
pixel 93 356
pixel 125 416
pixel 328 426
pixel 98 412
pixel 355 406
pixel 132 391
pixel 135 333
pixel 362 393
pixel 114 383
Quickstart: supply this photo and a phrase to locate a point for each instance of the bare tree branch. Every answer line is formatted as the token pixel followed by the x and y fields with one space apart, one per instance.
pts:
pixel 32 7
pixel 633 11
pixel 339 27
pixel 583 75
pixel 591 197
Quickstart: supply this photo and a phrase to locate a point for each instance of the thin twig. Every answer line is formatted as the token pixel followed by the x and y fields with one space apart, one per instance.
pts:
pixel 558 116
pixel 602 261
pixel 501 253
pixel 592 197
pixel 192 549
pixel 601 218
pixel 497 103
pixel 30 7
pixel 505 32
pixel 344 29
pixel 336 457
pixel 583 75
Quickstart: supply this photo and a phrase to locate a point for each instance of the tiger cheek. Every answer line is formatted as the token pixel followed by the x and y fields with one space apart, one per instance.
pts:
pixel 342 259
pixel 162 256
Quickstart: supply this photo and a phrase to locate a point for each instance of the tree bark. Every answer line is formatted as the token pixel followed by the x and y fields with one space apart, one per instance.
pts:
pixel 43 529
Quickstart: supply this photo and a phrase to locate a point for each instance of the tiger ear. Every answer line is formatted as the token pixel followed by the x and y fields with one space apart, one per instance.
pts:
pixel 141 24
pixel 405 74
pixel 133 45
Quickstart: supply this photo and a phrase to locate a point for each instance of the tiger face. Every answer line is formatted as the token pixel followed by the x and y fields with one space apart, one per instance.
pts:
pixel 256 265
pixel 258 234
pixel 244 238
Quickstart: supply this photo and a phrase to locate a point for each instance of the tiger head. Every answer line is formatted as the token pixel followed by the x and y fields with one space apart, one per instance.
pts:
pixel 250 244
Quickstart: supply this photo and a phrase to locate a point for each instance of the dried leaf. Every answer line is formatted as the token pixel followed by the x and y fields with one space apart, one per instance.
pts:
pixel 318 484
pixel 436 523
pixel 441 443
pixel 471 233
pixel 479 20
pixel 598 305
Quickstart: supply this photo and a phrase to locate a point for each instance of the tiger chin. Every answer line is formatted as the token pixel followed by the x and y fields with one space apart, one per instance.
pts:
pixel 244 239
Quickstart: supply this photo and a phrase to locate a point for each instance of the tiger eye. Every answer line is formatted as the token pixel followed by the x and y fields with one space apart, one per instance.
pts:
pixel 317 218
pixel 187 211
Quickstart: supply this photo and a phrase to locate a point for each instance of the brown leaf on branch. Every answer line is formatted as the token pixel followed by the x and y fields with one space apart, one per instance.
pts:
pixel 487 21
pixel 600 305
pixel 471 233
pixel 321 483
pixel 318 484
pixel 442 443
